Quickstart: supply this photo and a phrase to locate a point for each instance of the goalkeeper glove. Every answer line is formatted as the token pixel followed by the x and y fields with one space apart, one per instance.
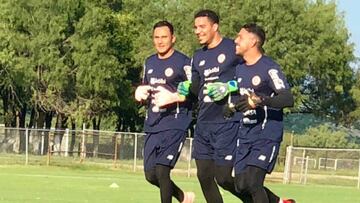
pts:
pixel 218 90
pixel 142 92
pixel 246 102
pixel 163 97
pixel 183 88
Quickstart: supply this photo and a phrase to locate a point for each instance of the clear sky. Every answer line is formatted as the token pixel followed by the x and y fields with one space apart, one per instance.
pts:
pixel 351 9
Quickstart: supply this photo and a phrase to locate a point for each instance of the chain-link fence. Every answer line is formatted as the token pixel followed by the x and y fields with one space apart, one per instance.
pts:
pixel 322 166
pixel 125 150
pixel 69 147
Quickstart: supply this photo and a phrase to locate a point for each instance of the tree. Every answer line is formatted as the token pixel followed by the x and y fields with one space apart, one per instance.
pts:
pixel 67 59
pixel 102 57
pixel 355 93
pixel 307 38
pixel 82 59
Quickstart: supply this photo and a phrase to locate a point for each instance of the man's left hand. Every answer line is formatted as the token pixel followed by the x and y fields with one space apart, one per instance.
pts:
pixel 163 97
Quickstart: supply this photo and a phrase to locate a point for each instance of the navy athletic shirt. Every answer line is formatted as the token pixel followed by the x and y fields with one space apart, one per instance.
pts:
pixel 168 73
pixel 264 78
pixel 214 65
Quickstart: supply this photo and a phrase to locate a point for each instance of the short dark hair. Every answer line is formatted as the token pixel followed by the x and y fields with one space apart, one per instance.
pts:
pixel 258 31
pixel 213 17
pixel 164 23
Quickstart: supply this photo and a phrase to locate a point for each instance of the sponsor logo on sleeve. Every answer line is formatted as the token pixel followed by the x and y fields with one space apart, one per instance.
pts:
pixel 187 70
pixel 278 83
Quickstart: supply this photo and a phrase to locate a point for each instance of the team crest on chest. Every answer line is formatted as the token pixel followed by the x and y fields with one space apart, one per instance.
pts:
pixel 202 62
pixel 169 72
pixel 221 58
pixel 256 80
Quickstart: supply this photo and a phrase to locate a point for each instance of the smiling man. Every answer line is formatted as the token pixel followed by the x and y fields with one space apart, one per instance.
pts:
pixel 215 136
pixel 168 115
pixel 264 93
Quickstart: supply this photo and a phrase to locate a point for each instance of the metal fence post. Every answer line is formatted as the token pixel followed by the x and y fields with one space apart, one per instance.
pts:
pixel 66 142
pixel 26 146
pixel 306 169
pixel 189 158
pixel 287 173
pixel 336 163
pixel 135 151
pixel 48 150
pixel 358 185
pixel 115 151
pixel 82 156
pixel 42 142
pixel 302 166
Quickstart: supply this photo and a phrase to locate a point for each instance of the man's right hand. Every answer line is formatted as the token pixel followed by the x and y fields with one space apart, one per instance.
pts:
pixel 184 87
pixel 142 92
pixel 229 111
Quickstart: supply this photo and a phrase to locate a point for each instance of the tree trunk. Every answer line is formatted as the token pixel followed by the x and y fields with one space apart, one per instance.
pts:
pixel 6 142
pixel 22 116
pixel 60 126
pixel 48 119
pixel 96 128
pixel 40 138
pixel 32 118
pixel 73 137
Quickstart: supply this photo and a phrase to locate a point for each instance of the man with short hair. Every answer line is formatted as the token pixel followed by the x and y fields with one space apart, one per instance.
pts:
pixel 215 137
pixel 168 115
pixel 264 93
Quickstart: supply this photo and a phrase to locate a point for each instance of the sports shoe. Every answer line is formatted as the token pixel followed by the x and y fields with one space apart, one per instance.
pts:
pixel 189 197
pixel 289 201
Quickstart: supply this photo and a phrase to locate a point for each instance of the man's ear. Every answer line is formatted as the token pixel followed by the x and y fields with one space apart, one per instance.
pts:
pixel 215 27
pixel 254 41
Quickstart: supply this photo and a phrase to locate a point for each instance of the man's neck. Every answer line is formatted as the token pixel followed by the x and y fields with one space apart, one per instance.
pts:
pixel 166 54
pixel 215 41
pixel 252 57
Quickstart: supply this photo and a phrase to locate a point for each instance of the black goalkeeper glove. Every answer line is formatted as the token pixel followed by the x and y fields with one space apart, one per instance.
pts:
pixel 241 105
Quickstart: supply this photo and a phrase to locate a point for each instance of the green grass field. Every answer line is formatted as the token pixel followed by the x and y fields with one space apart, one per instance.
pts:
pixel 85 184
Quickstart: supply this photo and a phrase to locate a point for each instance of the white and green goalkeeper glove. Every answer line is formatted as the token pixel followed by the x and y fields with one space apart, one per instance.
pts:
pixel 184 88
pixel 219 90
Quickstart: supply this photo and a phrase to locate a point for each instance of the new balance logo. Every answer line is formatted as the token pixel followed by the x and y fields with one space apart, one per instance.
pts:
pixel 228 157
pixel 262 157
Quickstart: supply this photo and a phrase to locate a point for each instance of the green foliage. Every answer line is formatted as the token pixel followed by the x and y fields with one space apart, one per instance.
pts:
pixel 355 93
pixel 307 38
pixel 82 58
pixel 324 136
pixel 69 57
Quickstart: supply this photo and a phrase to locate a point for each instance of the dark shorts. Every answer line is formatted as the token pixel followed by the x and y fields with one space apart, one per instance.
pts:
pixel 163 148
pixel 261 153
pixel 215 141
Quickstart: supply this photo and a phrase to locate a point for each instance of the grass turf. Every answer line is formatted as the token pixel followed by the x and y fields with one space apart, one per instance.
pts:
pixel 91 184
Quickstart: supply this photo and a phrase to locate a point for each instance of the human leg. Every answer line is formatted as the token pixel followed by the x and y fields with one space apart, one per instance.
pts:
pixel 206 177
